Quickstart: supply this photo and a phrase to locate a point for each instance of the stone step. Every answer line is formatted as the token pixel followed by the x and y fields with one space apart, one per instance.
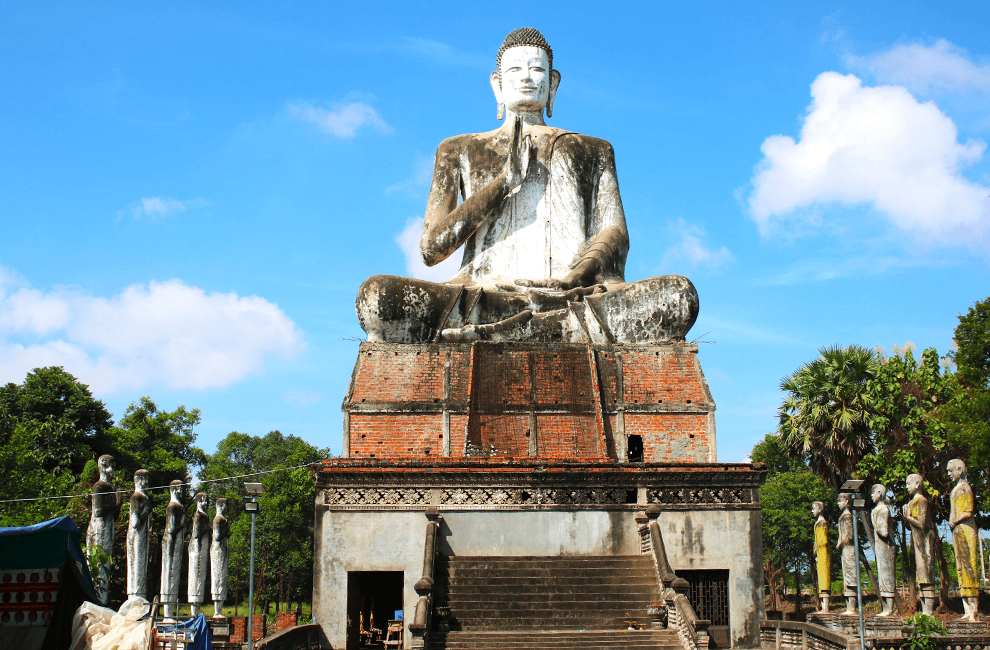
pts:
pixel 557 639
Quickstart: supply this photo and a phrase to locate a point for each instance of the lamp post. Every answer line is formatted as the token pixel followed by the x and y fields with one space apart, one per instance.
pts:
pixel 851 489
pixel 254 490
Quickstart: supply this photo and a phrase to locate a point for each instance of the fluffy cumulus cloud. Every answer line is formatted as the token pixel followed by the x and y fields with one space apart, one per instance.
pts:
pixel 408 241
pixel 343 120
pixel 164 333
pixel 691 250
pixel 156 207
pixel 925 69
pixel 877 147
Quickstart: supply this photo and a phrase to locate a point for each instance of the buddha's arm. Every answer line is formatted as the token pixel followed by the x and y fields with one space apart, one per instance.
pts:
pixel 447 225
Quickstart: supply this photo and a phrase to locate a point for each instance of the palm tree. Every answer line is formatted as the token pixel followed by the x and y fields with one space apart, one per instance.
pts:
pixel 826 411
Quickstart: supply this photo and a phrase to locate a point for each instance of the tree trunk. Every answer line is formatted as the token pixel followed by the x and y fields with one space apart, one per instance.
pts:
pixel 943 574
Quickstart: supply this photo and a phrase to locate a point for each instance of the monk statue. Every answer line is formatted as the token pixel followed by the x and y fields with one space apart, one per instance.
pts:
pixel 823 555
pixel 850 572
pixel 138 537
pixel 220 557
pixel 884 548
pixel 199 554
pixel 918 517
pixel 173 545
pixel 106 506
pixel 964 539
pixel 538 214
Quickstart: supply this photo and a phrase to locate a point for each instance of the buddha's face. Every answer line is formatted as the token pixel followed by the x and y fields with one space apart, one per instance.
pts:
pixel 956 470
pixel 877 493
pixel 140 482
pixel 222 508
pixel 525 78
pixel 816 508
pixel 843 501
pixel 202 501
pixel 913 483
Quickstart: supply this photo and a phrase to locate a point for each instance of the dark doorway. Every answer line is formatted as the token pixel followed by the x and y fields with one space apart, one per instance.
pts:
pixel 373 598
pixel 708 593
pixel 634 449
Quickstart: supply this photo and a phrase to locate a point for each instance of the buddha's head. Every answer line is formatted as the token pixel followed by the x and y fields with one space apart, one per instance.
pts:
pixel 525 81
pixel 843 501
pixel 817 508
pixel 222 507
pixel 141 479
pixel 107 466
pixel 957 469
pixel 202 502
pixel 913 483
pixel 878 492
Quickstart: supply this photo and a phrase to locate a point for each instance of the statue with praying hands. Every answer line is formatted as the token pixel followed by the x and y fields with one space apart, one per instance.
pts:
pixel 537 212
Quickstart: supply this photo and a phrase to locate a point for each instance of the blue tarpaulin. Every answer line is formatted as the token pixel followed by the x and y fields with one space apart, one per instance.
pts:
pixel 44 545
pixel 200 630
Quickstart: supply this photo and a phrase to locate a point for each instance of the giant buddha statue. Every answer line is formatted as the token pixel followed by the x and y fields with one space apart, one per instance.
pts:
pixel 538 214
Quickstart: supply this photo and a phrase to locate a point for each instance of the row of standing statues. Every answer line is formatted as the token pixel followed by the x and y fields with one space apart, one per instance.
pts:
pixel 207 546
pixel 918 518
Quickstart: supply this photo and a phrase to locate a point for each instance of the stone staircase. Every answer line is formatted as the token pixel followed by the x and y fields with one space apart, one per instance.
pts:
pixel 533 603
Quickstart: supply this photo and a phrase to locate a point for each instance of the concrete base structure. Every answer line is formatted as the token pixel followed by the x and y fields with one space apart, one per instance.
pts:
pixel 370 517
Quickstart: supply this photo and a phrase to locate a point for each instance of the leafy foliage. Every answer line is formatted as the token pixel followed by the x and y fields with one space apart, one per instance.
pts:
pixel 825 415
pixel 924 628
pixel 284 528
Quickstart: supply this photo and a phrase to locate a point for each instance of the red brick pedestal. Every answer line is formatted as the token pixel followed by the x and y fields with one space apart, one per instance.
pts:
pixel 529 400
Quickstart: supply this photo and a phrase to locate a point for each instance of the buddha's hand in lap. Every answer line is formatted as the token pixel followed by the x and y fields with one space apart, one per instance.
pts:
pixel 580 279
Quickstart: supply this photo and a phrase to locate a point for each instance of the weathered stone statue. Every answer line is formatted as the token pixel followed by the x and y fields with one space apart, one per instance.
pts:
pixel 219 557
pixel 850 572
pixel 106 506
pixel 173 545
pixel 138 537
pixel 823 555
pixel 538 213
pixel 964 538
pixel 918 517
pixel 199 554
pixel 885 547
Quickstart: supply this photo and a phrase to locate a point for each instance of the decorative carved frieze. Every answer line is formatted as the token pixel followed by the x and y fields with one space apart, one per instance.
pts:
pixel 680 496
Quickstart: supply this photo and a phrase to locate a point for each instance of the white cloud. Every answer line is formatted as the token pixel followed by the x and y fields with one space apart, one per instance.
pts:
pixel 925 69
pixel 879 147
pixel 301 397
pixel 408 241
pixel 163 333
pixel 157 207
pixel 691 250
pixel 343 120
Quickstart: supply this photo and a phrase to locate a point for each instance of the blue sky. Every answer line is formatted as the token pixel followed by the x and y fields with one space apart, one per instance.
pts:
pixel 191 193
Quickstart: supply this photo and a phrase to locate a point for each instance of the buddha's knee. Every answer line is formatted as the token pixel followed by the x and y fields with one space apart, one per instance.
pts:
pixel 401 310
pixel 648 311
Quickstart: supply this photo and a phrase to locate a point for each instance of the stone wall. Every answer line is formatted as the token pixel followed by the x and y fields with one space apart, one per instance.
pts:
pixel 370 517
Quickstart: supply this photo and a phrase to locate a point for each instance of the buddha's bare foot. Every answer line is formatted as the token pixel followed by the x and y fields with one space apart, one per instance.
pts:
pixel 486 332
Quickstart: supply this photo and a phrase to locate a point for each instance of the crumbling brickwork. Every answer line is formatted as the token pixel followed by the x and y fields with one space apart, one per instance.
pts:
pixel 529 400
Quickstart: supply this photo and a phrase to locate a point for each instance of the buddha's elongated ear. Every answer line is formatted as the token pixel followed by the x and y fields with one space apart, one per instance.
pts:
pixel 554 83
pixel 496 82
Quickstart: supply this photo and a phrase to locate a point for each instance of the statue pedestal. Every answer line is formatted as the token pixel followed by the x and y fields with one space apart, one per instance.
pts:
pixel 883 627
pixel 558 401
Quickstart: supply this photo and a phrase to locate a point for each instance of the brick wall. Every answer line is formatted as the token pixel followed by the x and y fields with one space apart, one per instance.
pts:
pixel 491 394
pixel 238 631
pixel 285 620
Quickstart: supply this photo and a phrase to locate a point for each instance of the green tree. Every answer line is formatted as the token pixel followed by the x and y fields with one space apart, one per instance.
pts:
pixel 68 420
pixel 826 410
pixel 788 527
pixel 284 531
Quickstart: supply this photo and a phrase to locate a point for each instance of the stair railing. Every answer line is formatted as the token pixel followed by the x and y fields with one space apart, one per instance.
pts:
pixel 424 586
pixel 692 631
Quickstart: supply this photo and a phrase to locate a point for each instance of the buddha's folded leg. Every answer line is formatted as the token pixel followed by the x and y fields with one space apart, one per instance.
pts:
pixel 648 311
pixel 394 309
